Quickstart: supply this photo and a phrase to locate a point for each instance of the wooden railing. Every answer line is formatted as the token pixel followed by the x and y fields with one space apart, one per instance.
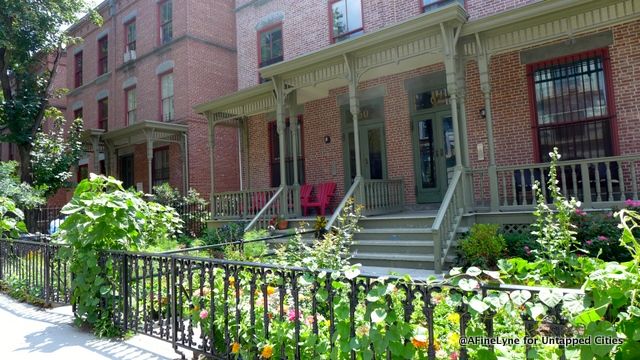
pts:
pixel 351 193
pixel 239 204
pixel 270 210
pixel 597 183
pixel 446 223
pixel 382 196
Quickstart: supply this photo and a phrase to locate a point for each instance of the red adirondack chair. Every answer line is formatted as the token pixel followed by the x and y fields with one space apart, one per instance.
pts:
pixel 324 193
pixel 305 193
pixel 258 201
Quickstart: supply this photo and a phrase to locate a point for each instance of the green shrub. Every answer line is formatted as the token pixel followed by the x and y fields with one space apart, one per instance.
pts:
pixel 521 245
pixel 483 246
pixel 227 233
pixel 11 224
pixel 598 234
pixel 102 215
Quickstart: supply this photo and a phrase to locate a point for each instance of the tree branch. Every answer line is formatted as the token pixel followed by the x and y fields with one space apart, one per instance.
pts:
pixel 44 100
pixel 4 77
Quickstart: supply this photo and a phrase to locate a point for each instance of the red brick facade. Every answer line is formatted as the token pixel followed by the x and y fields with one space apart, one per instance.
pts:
pixel 202 58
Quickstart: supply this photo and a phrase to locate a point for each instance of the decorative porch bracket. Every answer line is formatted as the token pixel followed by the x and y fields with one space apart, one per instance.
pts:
pixel 354 107
pixel 483 59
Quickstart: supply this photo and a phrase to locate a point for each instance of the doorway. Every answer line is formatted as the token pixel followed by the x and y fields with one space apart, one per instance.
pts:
pixel 373 157
pixel 126 171
pixel 434 154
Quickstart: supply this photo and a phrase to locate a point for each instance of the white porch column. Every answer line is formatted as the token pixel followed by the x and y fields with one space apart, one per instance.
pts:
pixel 95 144
pixel 449 39
pixel 485 86
pixel 354 108
pixel 464 136
pixel 293 125
pixel 281 127
pixel 150 137
pixel 212 159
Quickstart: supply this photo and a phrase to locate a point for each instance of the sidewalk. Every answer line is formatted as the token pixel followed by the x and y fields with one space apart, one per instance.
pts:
pixel 30 333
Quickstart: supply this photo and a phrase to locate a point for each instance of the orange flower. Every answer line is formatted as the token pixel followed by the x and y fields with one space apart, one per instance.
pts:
pixel 267 352
pixel 271 290
pixel 419 342
pixel 235 348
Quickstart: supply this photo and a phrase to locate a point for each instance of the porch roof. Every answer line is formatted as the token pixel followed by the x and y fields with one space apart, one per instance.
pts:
pixel 246 102
pixel 144 131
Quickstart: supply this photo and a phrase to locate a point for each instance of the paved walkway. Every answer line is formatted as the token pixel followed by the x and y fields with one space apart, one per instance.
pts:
pixel 30 333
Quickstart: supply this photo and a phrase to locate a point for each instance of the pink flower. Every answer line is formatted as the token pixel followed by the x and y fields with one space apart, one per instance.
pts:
pixel 589 242
pixel 293 315
pixel 454 355
pixel 527 250
pixel 632 203
pixel 581 212
pixel 603 238
pixel 204 314
pixel 309 320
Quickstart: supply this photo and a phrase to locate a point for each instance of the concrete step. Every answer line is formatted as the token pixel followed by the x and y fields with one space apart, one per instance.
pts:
pixel 394 260
pixel 403 247
pixel 397 221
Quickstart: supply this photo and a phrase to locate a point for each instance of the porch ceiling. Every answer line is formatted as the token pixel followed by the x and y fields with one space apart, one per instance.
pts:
pixel 143 131
pixel 246 102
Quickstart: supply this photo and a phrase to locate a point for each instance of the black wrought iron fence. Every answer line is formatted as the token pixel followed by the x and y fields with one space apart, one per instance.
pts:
pixel 40 219
pixel 222 308
pixel 195 218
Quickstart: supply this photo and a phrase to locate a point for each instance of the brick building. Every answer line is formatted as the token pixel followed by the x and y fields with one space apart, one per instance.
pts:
pixel 135 80
pixel 445 105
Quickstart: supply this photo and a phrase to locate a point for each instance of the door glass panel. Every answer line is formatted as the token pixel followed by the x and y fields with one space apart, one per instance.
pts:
pixel 375 153
pixel 427 158
pixel 449 145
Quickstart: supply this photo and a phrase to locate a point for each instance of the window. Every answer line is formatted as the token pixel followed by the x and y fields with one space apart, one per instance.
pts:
pixel 270 40
pixel 275 154
pixel 166 22
pixel 103 168
pixel 429 5
pixel 103 114
pixel 130 38
pixel 83 172
pixel 346 19
pixel 160 166
pixel 571 106
pixel 166 93
pixel 131 104
pixel 77 113
pixel 77 71
pixel 103 55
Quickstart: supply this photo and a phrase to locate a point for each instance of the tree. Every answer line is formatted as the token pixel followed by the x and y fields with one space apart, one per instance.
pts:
pixel 31 44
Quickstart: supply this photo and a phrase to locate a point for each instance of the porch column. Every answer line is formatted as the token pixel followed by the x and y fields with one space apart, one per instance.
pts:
pixel 150 136
pixel 293 126
pixel 245 154
pixel 95 144
pixel 212 159
pixel 464 135
pixel 485 86
pixel 281 127
pixel 450 38
pixel 354 108
pixel 110 160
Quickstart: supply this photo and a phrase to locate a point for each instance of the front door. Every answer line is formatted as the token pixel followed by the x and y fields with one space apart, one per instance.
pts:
pixel 372 152
pixel 126 171
pixel 434 154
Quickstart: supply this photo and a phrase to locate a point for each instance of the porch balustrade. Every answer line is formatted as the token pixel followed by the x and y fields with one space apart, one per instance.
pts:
pixel 447 220
pixel 597 183
pixel 240 204
pixel 382 196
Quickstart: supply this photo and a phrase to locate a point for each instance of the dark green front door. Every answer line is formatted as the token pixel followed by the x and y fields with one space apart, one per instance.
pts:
pixel 434 154
pixel 372 152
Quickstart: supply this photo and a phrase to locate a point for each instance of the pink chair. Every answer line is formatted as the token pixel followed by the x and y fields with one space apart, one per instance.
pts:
pixel 324 193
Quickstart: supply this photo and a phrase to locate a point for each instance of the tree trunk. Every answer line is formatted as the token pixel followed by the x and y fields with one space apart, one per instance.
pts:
pixel 24 151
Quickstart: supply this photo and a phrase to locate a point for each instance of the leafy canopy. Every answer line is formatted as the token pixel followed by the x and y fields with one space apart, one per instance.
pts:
pixel 22 194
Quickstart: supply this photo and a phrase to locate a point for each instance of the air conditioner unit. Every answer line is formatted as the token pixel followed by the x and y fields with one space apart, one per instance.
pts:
pixel 129 55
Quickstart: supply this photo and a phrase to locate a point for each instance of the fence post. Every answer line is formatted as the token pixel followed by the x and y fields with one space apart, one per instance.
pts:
pixel 125 290
pixel 174 300
pixel 47 274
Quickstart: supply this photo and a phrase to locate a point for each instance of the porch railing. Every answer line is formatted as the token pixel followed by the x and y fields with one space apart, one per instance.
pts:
pixel 382 196
pixel 268 211
pixel 239 204
pixel 447 220
pixel 597 183
pixel 349 194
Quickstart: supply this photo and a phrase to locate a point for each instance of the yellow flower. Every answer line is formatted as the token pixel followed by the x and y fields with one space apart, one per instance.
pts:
pixel 235 348
pixel 454 318
pixel 271 290
pixel 232 281
pixel 454 339
pixel 267 352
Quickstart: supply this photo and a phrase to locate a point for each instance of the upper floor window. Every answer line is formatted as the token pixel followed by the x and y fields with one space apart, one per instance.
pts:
pixel 77 71
pixel 571 105
pixel 131 105
pixel 270 40
pixel 130 37
pixel 103 114
pixel 346 19
pixel 429 5
pixel 166 97
pixel 103 55
pixel 166 21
